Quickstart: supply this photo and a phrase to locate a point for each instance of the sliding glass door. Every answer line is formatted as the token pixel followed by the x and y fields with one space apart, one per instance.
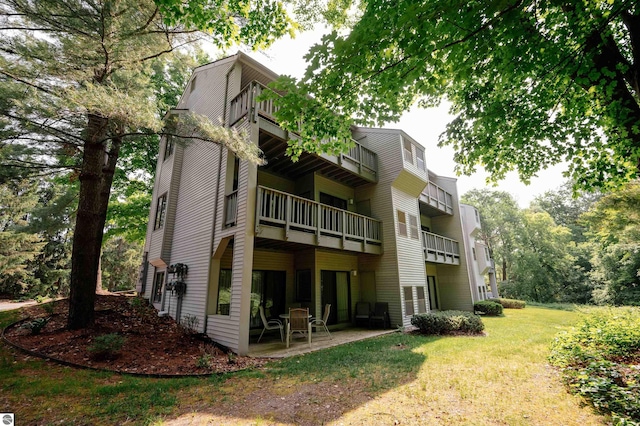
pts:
pixel 267 289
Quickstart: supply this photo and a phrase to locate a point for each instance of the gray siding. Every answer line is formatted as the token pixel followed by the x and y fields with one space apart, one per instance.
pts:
pixel 455 289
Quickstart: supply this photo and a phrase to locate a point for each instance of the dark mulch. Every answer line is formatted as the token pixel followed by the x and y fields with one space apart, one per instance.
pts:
pixel 153 345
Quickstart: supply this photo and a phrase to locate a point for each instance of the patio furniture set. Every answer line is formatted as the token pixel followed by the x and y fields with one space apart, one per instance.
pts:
pixel 298 320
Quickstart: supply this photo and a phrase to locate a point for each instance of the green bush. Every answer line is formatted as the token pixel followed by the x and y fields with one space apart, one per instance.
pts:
pixel 488 308
pixel 106 346
pixel 36 325
pixel 596 358
pixel 447 322
pixel 509 303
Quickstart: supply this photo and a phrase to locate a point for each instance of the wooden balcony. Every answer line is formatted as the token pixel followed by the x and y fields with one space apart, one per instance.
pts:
pixel 439 200
pixel 289 218
pixel 439 249
pixel 359 161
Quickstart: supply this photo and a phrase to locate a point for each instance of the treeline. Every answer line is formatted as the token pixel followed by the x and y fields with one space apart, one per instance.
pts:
pixel 564 248
pixel 38 202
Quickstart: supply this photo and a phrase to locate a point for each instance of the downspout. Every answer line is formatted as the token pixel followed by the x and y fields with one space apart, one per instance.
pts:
pixel 215 216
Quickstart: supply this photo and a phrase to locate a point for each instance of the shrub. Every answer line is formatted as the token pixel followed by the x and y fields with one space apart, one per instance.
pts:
pixel 488 308
pixel 596 358
pixel 510 303
pixel 447 322
pixel 190 324
pixel 106 346
pixel 204 361
pixel 36 325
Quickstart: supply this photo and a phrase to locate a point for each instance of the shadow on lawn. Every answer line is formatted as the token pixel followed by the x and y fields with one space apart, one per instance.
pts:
pixel 310 389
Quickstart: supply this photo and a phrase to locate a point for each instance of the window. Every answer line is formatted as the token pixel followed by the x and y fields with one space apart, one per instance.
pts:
pixel 408 154
pixel 333 201
pixel 157 287
pixel 402 223
pixel 193 84
pixel 477 215
pixel 224 292
pixel 168 147
pixel 420 158
pixel 422 300
pixel 161 207
pixel 473 250
pixel 268 290
pixel 236 173
pixel 486 254
pixel 413 226
pixel 408 300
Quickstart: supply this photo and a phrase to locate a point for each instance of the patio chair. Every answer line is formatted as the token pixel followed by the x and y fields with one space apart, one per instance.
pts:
pixel 322 322
pixel 299 323
pixel 363 311
pixel 380 314
pixel 272 324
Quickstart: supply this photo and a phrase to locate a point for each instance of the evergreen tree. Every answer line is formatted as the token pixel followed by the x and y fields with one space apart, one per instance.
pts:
pixel 75 79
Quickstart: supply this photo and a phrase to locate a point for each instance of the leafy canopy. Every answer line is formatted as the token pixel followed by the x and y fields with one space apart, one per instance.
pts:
pixel 532 83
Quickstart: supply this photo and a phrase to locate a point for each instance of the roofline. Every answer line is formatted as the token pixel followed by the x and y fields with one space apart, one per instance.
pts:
pixel 390 130
pixel 240 57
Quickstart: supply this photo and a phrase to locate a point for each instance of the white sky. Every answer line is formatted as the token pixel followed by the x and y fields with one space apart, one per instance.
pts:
pixel 285 57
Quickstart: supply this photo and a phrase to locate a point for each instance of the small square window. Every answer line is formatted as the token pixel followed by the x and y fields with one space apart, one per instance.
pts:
pixel 420 158
pixel 408 153
pixel 408 301
pixel 168 147
pixel 422 300
pixel 224 292
pixel 402 223
pixel 413 226
pixel 157 287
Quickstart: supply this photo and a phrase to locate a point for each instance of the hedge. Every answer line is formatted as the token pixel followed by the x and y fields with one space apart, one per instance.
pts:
pixel 509 303
pixel 446 322
pixel 488 308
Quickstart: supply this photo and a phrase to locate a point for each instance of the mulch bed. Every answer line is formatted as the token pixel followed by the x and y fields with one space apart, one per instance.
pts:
pixel 153 345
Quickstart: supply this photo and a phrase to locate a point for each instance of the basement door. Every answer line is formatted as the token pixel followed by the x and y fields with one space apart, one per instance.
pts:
pixel 336 289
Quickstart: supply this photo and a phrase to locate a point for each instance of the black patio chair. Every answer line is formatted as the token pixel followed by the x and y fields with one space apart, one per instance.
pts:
pixel 363 311
pixel 380 314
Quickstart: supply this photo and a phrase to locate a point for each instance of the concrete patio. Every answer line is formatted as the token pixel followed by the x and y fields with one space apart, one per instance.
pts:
pixel 270 345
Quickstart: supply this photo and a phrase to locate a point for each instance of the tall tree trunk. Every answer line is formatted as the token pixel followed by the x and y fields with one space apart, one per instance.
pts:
pixel 504 270
pixel 96 177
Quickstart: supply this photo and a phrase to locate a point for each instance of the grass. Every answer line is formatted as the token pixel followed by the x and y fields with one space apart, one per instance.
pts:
pixel 502 378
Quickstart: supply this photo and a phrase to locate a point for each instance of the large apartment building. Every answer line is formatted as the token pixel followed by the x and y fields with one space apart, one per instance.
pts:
pixel 373 224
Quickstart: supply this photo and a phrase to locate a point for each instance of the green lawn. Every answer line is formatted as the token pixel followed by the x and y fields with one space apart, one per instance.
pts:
pixel 500 379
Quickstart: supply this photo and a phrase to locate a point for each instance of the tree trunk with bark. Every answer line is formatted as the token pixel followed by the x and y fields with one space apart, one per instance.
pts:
pixel 96 176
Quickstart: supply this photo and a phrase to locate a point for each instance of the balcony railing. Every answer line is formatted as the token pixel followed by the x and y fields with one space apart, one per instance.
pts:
pixel 295 213
pixel 440 249
pixel 358 158
pixel 230 208
pixel 438 198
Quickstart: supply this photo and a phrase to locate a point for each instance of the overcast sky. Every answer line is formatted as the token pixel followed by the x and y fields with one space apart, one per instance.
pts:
pixel 424 125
